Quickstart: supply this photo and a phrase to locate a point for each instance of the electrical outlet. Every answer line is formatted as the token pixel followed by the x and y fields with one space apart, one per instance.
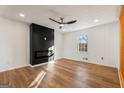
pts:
pixel 86 58
pixel 102 58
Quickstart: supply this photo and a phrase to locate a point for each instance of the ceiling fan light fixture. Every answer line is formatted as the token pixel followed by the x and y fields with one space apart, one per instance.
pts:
pixel 62 25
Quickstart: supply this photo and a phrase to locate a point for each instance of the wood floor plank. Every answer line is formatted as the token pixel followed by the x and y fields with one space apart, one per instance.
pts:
pixel 63 73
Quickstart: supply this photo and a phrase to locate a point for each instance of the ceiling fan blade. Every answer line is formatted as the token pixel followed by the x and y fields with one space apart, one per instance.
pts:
pixel 54 20
pixel 71 22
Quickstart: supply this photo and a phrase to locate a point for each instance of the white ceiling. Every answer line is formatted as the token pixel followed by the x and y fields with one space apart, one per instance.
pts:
pixel 85 15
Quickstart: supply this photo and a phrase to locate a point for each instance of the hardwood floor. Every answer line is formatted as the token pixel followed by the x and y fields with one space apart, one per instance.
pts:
pixel 63 73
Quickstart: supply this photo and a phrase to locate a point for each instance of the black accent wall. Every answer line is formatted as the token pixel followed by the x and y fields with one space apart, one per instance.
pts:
pixel 41 44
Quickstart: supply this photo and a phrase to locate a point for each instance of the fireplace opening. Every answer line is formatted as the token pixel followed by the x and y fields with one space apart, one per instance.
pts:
pixel 43 54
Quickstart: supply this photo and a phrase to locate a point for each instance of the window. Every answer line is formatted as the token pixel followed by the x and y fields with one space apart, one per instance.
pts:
pixel 83 42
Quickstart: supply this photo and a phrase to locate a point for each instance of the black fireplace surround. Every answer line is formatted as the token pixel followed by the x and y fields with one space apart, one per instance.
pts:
pixel 41 44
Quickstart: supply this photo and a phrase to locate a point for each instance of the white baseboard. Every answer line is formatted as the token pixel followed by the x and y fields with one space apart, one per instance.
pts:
pixel 13 68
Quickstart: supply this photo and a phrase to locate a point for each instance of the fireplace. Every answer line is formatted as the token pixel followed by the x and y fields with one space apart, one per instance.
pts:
pixel 41 44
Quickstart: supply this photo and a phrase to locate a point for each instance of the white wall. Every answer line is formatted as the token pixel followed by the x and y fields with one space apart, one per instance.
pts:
pixel 103 41
pixel 58 44
pixel 14 44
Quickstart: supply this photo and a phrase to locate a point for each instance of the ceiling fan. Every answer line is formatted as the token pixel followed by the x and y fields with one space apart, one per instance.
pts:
pixel 61 22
